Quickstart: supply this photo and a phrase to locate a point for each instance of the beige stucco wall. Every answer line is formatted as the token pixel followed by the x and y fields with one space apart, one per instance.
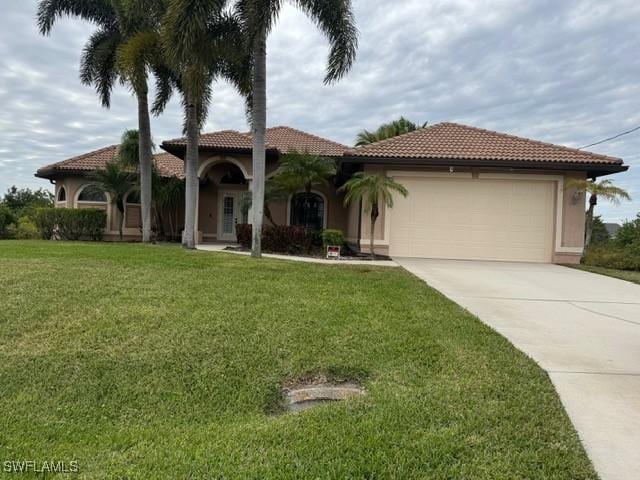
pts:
pixel 572 205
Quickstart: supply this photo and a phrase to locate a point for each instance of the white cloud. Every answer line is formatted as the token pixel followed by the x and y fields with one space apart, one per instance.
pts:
pixel 565 72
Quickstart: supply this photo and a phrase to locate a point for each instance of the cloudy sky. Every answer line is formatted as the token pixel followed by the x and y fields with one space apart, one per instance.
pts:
pixel 565 71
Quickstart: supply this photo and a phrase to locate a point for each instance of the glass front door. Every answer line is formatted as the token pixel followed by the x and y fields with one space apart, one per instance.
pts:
pixel 229 216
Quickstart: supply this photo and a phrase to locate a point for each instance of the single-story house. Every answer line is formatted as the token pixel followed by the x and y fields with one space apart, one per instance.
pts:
pixel 473 193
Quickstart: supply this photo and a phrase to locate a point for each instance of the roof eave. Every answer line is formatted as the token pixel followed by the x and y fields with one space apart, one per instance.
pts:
pixel 592 169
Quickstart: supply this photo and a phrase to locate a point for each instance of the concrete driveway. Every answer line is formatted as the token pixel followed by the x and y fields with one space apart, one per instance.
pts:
pixel 582 328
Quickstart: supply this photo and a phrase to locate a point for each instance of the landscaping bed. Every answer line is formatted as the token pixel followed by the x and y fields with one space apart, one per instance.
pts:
pixel 153 362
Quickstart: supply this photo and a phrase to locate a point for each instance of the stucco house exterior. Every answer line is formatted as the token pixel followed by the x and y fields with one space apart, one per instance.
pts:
pixel 473 193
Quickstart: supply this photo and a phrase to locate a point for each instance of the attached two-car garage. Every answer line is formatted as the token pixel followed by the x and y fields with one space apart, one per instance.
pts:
pixel 483 218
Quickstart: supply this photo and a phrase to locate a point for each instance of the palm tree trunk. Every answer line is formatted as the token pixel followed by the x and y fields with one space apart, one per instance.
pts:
pixel 588 231
pixel 146 161
pixel 121 222
pixel 191 177
pixel 374 217
pixel 259 121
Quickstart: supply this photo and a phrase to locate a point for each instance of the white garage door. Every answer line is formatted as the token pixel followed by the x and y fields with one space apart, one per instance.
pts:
pixel 481 219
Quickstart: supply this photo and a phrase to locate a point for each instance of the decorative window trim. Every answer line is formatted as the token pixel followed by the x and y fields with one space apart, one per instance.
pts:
pixel 107 204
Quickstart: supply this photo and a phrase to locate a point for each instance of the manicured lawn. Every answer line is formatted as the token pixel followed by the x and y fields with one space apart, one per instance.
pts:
pixel 628 275
pixel 150 362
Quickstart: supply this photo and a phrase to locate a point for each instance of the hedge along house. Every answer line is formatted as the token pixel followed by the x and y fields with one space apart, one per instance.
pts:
pixel 473 193
pixel 70 178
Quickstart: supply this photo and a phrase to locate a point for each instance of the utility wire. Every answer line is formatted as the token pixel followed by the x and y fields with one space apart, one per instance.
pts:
pixel 612 138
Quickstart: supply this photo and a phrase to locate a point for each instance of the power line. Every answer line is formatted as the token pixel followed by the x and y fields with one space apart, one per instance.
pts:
pixel 612 138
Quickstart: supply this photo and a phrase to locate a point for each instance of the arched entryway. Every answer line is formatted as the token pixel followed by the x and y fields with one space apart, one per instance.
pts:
pixel 223 203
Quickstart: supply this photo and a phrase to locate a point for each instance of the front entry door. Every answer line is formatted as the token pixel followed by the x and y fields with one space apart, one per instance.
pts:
pixel 229 212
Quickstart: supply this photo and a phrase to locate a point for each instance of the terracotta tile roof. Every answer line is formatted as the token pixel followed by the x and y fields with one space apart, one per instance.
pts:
pixel 224 139
pixel 453 141
pixel 285 139
pixel 279 139
pixel 167 164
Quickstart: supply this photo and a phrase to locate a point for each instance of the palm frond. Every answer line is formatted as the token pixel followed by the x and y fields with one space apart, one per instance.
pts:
pixel 98 12
pixel 98 63
pixel 336 20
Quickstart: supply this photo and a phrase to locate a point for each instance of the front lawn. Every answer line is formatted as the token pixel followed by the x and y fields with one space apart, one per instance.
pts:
pixel 151 362
pixel 628 275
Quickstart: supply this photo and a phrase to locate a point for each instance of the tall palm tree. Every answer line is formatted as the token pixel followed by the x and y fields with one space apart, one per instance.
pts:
pixel 335 19
pixel 119 50
pixel 202 42
pixel 117 180
pixel 603 189
pixel 387 130
pixel 304 171
pixel 374 189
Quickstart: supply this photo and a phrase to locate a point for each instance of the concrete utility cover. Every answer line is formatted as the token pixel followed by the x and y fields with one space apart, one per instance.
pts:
pixel 304 397
pixel 582 328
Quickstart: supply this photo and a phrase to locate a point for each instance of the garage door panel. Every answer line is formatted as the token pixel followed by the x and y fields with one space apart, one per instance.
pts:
pixel 473 219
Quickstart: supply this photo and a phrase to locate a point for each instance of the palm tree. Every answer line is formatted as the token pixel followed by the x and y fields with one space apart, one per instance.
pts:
pixel 335 19
pixel 304 171
pixel 117 180
pixel 604 189
pixel 167 194
pixel 120 50
pixel 387 130
pixel 374 189
pixel 202 43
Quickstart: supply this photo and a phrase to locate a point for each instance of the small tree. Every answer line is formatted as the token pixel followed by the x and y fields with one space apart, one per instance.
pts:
pixel 604 189
pixel 303 171
pixel 599 235
pixel 373 189
pixel 117 181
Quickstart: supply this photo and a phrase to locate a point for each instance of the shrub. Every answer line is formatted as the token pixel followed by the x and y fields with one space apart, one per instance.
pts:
pixel 26 229
pixel 71 224
pixel 243 234
pixel 6 220
pixel 278 238
pixel 332 237
pixel 629 232
pixel 614 256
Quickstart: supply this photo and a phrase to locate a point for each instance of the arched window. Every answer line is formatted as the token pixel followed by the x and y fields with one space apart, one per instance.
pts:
pixel 133 198
pixel 307 210
pixel 91 194
pixel 62 195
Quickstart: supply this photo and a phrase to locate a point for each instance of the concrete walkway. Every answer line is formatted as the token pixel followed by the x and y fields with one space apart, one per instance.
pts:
pixel 582 328
pixel 220 247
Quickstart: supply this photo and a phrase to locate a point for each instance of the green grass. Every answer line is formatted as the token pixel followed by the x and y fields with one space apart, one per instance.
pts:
pixel 628 275
pixel 151 362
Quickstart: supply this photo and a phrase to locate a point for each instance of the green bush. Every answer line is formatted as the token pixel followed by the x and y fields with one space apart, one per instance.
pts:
pixel 26 229
pixel 71 224
pixel 7 220
pixel 629 233
pixel 614 256
pixel 332 237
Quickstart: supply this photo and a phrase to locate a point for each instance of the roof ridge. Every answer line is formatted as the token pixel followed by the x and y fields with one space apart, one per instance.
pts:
pixel 530 140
